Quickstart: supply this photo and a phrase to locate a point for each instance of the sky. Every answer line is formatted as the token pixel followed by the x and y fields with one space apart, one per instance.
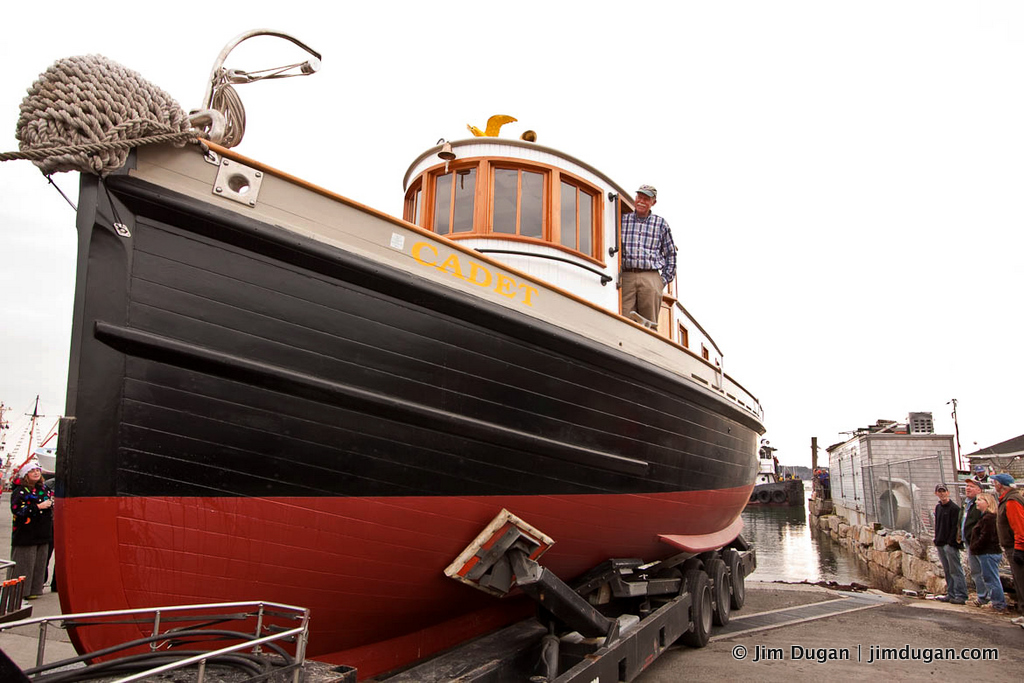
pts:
pixel 843 179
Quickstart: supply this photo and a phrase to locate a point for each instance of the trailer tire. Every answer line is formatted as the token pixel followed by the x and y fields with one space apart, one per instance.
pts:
pixel 721 591
pixel 696 583
pixel 736 578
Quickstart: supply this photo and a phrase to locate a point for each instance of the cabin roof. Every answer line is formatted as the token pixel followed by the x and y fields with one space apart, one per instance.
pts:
pixel 626 195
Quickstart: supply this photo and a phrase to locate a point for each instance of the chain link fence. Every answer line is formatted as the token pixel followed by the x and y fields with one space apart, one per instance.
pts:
pixel 901 494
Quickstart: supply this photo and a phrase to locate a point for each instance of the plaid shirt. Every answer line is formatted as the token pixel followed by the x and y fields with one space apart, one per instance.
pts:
pixel 647 244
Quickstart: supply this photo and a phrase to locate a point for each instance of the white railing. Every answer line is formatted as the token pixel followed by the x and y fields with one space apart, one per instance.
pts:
pixel 189 622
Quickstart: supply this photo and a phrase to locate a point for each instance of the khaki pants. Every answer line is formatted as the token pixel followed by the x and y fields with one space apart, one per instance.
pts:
pixel 641 292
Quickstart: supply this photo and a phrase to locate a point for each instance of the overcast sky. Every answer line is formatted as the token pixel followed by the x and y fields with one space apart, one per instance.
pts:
pixel 843 179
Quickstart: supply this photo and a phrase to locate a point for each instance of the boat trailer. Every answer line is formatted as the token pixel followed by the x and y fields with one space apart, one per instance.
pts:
pixel 609 625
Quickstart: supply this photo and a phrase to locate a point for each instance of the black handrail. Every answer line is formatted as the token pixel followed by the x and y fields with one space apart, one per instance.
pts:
pixel 605 279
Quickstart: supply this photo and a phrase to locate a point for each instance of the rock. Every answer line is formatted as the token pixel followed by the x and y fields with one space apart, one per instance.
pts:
pixel 867 535
pixel 911 546
pixel 887 543
pixel 879 557
pixel 844 530
pixel 896 562
pixel 918 570
pixel 936 585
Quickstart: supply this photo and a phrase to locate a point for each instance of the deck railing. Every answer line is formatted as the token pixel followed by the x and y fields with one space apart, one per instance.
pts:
pixel 266 625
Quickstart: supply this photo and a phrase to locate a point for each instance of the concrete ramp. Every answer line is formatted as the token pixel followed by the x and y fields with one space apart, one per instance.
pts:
pixel 763 621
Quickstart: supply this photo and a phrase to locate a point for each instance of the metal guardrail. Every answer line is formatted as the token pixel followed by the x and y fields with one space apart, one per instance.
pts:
pixel 266 616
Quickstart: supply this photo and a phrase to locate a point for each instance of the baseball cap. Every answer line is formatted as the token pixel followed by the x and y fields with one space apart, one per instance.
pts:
pixel 1003 478
pixel 979 468
pixel 940 487
pixel 648 190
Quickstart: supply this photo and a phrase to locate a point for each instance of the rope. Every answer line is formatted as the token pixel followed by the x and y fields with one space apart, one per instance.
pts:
pixel 86 113
pixel 46 152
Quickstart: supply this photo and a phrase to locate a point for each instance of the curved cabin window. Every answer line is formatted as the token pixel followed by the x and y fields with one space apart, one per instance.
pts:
pixel 453 201
pixel 509 198
pixel 518 203
pixel 577 213
pixel 414 203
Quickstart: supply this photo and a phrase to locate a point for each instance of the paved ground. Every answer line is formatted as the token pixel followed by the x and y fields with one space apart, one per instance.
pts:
pixel 792 653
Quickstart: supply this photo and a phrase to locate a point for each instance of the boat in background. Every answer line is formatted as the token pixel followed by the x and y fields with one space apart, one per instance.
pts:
pixel 771 488
pixel 278 392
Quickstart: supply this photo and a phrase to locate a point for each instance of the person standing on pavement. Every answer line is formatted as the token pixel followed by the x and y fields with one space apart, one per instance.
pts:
pixel 947 513
pixel 984 547
pixel 648 257
pixel 1010 525
pixel 32 528
pixel 969 516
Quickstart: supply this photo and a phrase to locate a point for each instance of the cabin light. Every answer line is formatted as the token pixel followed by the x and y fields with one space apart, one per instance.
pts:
pixel 446 153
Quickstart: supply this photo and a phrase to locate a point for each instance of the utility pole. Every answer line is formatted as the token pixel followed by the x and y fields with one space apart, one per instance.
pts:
pixel 814 453
pixel 956 430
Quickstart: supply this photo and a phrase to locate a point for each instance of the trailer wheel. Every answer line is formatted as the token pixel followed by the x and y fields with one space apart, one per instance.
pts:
pixel 736 578
pixel 697 586
pixel 721 591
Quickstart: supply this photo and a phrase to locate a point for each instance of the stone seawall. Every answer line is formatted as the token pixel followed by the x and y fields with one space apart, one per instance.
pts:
pixel 896 560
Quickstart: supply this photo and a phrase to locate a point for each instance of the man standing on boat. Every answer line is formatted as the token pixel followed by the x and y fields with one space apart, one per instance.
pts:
pixel 648 257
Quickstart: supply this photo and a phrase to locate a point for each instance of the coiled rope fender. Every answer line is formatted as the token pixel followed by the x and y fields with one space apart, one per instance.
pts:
pixel 86 113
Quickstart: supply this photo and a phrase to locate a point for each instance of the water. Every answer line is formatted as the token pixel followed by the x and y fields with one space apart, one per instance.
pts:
pixel 789 550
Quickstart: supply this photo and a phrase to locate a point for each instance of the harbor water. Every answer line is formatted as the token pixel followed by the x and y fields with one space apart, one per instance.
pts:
pixel 789 549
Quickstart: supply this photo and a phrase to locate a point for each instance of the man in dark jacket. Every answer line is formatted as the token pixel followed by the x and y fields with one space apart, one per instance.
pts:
pixel 947 514
pixel 1010 524
pixel 969 516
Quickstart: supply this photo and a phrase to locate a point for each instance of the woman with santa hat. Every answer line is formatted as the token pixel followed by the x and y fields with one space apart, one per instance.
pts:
pixel 32 531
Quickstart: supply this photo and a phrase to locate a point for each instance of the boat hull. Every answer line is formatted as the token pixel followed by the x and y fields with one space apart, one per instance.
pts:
pixel 787 493
pixel 255 414
pixel 371 569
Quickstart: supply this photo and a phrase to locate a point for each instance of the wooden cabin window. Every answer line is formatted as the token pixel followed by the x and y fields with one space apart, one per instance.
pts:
pixel 577 212
pixel 518 203
pixel 414 204
pixel 510 198
pixel 684 337
pixel 704 352
pixel 453 201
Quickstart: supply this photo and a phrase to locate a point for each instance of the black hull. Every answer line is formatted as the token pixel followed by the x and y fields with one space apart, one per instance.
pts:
pixel 223 356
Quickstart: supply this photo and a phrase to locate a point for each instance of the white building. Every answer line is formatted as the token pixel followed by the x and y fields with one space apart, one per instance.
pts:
pixel 887 473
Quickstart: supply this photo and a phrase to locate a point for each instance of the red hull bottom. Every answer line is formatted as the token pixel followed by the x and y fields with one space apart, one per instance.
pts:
pixel 370 569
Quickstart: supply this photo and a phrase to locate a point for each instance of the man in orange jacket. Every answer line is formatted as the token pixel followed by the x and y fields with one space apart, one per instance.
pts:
pixel 1010 524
